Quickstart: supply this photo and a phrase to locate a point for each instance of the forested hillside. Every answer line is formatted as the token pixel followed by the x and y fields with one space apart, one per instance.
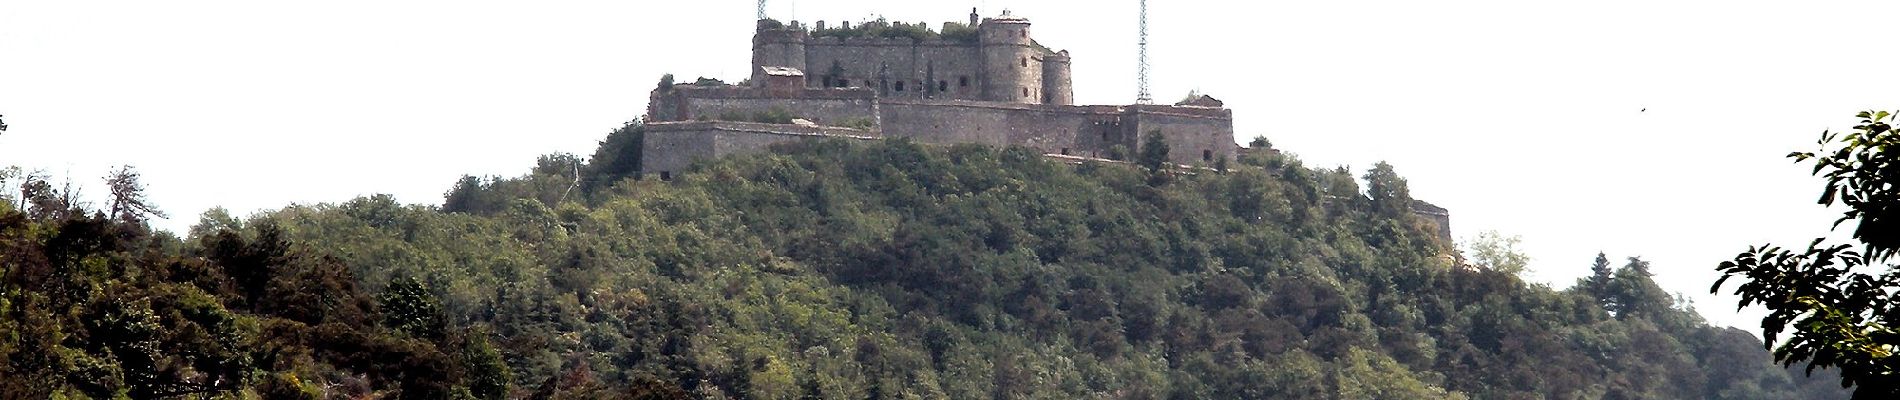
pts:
pixel 835 270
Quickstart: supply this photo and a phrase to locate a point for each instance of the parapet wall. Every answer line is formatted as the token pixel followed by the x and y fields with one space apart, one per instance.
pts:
pixel 670 147
pixel 1195 135
pixel 820 105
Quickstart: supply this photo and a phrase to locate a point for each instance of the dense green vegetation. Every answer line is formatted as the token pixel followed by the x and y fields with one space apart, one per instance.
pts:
pixel 838 270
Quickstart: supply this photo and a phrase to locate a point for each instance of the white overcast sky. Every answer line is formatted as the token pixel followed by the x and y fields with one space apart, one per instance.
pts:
pixel 1519 116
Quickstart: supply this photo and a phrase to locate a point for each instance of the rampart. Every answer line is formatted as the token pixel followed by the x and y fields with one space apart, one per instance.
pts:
pixel 672 146
pixel 825 106
pixel 1194 135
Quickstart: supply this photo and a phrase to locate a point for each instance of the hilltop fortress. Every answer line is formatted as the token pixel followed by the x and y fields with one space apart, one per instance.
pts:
pixel 986 82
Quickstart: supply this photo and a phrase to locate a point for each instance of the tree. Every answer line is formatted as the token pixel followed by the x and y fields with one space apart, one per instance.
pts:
pixel 617 158
pixel 1597 285
pixel 128 202
pixel 39 198
pixel 44 201
pixel 1154 152
pixel 1821 310
pixel 488 375
pixel 1153 156
pixel 3 124
pixel 409 307
pixel 1260 142
pixel 1633 293
pixel 1495 252
pixel 464 196
pixel 1388 191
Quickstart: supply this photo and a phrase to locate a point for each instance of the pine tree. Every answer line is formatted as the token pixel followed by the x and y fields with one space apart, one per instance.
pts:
pixel 1597 285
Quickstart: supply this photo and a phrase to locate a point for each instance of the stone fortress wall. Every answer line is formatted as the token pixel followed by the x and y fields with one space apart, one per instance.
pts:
pixel 994 86
pixel 671 147
pixel 1000 63
pixel 1195 135
pixel 825 106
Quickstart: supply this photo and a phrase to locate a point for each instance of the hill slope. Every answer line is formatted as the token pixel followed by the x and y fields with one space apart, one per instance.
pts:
pixel 843 271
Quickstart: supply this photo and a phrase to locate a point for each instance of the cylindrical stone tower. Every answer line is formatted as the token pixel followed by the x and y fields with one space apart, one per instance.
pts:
pixel 1012 68
pixel 1055 79
pixel 776 45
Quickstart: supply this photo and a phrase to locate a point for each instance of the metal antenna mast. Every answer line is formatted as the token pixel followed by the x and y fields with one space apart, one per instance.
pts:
pixel 1143 97
pixel 761 9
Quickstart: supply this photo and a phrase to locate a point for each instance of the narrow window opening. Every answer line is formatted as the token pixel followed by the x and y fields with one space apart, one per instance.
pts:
pixel 1207 155
pixel 963 81
pixel 1025 61
pixel 900 86
pixel 943 86
pixel 1025 93
pixel 1065 151
pixel 844 83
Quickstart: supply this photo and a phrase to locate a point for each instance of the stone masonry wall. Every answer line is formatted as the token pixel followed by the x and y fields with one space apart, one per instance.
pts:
pixel 671 147
pixel 1195 136
pixel 822 106
pixel 953 65
pixel 1051 129
pixel 821 111
pixel 1003 65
